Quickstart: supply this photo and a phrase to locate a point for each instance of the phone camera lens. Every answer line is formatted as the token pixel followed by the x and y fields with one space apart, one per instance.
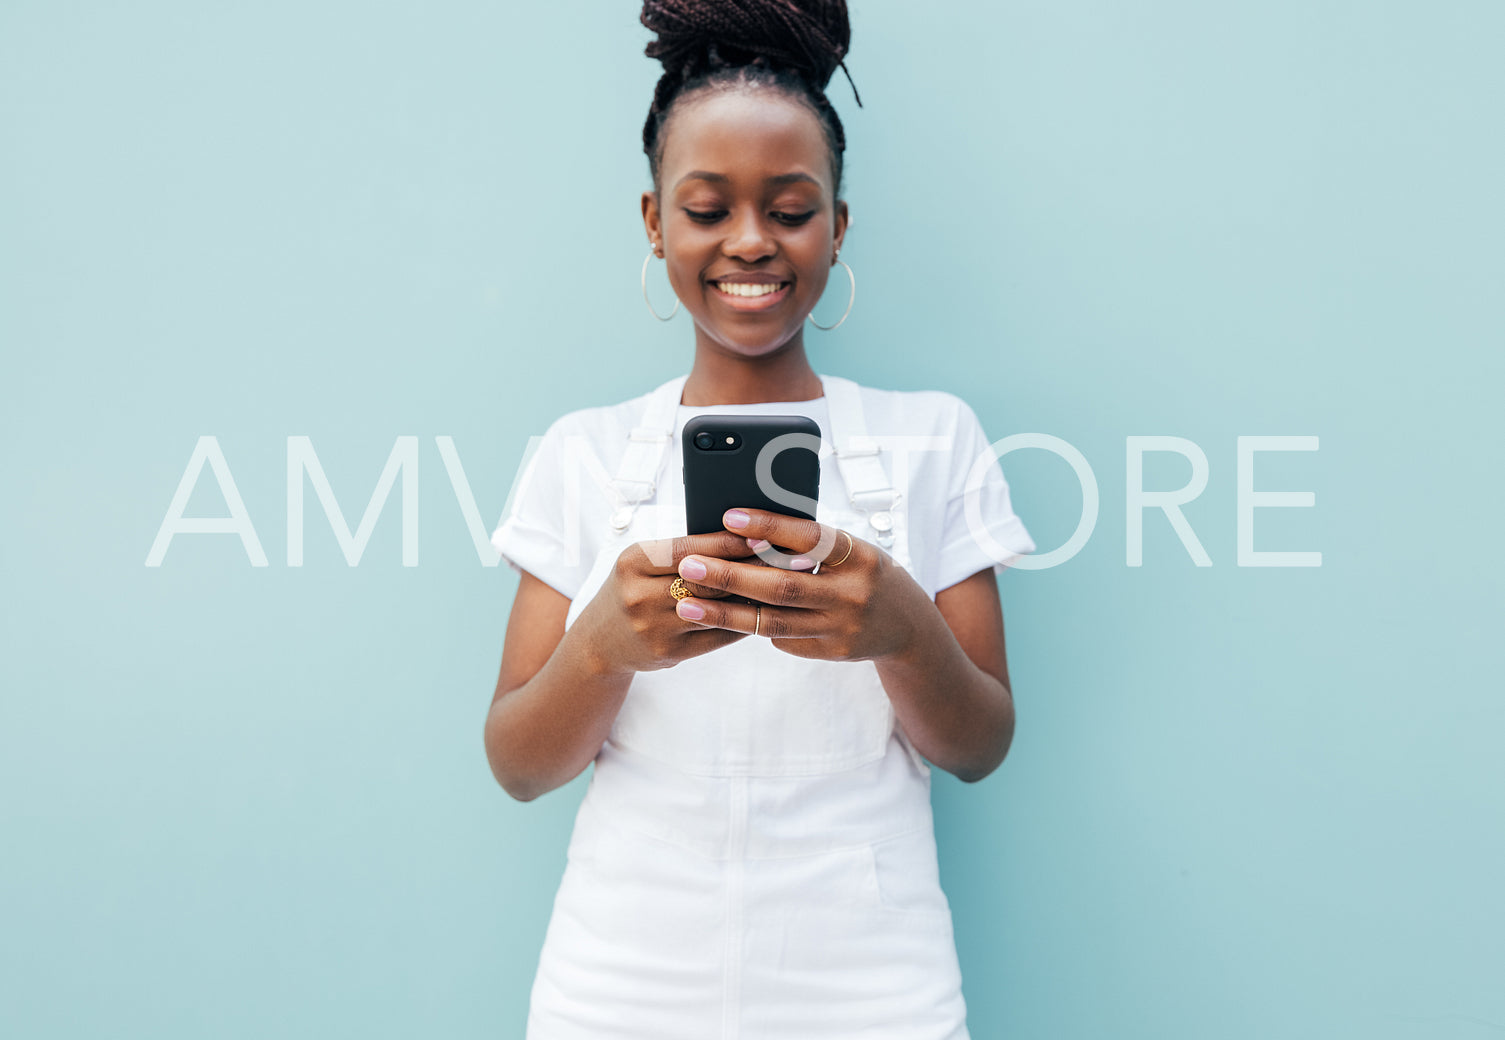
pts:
pixel 704 441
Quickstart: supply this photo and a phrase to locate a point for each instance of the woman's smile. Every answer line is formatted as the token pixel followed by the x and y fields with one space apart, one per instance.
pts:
pixel 751 296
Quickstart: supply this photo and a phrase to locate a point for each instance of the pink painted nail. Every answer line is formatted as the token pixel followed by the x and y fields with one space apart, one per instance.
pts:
pixel 736 518
pixel 690 611
pixel 691 568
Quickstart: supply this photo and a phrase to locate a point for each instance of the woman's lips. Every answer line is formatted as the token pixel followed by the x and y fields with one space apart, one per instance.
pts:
pixel 752 303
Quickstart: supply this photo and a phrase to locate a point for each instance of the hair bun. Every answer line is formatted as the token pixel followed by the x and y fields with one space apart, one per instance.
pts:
pixel 810 36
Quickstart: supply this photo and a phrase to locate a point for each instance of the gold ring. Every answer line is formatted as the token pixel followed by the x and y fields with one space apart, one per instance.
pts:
pixel 678 589
pixel 844 557
pixel 758 619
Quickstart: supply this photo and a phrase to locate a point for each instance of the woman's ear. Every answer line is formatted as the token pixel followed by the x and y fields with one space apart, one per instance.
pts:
pixel 843 221
pixel 651 218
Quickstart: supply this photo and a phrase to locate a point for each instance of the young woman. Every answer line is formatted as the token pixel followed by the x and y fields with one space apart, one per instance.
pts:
pixel 755 853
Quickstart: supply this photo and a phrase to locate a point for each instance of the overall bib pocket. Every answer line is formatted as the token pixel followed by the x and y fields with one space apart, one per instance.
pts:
pixel 751 709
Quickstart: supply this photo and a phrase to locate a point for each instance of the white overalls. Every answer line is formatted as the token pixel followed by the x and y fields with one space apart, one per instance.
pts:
pixel 755 854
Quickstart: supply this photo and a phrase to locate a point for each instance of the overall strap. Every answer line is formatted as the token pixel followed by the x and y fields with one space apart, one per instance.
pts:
pixel 858 456
pixel 647 444
pixel 860 459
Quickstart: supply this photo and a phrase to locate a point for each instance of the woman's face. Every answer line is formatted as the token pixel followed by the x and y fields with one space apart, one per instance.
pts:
pixel 747 202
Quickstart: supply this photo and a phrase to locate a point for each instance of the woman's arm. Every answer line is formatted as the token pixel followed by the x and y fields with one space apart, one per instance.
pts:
pixel 560 689
pixel 555 697
pixel 950 683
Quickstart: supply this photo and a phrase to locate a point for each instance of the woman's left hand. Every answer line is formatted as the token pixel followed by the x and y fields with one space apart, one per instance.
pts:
pixel 860 608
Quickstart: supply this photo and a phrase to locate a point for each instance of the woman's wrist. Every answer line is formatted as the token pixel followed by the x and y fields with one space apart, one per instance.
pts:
pixel 912 614
pixel 594 653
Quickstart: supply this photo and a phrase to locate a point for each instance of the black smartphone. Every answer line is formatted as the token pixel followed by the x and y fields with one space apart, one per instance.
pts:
pixel 767 462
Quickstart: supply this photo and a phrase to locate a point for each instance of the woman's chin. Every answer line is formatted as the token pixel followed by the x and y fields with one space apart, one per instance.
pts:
pixel 739 342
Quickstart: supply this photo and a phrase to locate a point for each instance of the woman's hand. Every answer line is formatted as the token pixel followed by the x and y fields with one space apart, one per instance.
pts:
pixel 859 608
pixel 631 623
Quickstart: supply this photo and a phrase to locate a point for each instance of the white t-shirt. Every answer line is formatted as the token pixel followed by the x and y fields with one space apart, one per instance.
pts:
pixel 558 519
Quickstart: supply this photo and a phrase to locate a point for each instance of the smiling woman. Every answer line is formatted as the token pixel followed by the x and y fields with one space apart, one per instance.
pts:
pixel 750 225
pixel 755 855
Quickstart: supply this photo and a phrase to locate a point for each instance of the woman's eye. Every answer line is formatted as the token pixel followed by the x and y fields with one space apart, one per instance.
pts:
pixel 710 216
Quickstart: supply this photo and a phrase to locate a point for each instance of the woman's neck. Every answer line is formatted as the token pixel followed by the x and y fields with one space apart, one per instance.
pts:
pixel 721 378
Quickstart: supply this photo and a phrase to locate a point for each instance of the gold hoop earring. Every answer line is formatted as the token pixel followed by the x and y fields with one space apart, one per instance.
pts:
pixel 650 256
pixel 852 300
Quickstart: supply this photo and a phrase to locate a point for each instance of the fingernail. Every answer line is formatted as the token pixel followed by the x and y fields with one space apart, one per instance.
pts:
pixel 691 568
pixel 757 544
pixel 736 518
pixel 690 611
pixel 801 563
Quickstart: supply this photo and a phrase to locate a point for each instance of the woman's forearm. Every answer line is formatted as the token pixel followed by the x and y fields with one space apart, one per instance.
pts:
pixel 544 733
pixel 956 715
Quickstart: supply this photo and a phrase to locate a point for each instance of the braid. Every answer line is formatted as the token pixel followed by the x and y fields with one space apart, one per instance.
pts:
pixel 794 46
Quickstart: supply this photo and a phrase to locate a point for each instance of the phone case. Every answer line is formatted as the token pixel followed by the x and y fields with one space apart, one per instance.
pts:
pixel 720 478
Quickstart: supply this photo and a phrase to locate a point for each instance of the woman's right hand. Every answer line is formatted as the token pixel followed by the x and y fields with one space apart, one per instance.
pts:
pixel 631 622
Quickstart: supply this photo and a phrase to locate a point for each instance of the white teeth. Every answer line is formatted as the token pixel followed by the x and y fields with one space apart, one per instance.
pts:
pixel 747 288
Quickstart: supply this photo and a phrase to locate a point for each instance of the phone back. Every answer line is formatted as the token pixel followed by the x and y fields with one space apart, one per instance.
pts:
pixel 721 456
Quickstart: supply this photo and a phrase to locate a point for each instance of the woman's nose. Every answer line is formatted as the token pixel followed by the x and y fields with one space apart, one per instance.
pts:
pixel 748 238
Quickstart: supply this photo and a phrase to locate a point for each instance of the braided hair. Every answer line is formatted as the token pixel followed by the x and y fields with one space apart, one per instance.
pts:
pixel 792 46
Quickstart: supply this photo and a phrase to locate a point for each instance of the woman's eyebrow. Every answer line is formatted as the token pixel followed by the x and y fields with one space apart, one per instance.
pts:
pixel 721 178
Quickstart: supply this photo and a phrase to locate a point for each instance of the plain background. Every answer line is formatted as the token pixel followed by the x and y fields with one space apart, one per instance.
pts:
pixel 1242 802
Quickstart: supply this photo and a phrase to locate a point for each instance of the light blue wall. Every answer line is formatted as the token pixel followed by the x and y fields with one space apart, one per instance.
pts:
pixel 1242 802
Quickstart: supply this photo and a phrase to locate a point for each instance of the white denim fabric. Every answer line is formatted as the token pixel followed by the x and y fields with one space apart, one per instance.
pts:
pixel 755 856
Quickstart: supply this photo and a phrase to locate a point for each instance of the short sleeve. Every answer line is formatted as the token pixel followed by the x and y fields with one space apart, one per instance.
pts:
pixel 980 528
pixel 540 531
